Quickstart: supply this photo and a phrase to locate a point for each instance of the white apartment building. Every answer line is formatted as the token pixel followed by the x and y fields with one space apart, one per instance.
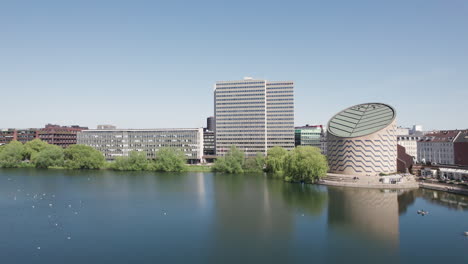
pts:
pixel 410 143
pixel 253 115
pixel 119 142
pixel 437 147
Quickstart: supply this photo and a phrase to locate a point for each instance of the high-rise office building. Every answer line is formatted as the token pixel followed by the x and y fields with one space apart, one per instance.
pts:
pixel 254 115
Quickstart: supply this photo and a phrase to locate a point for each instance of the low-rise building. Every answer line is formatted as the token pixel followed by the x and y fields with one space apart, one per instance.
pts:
pixel 437 147
pixel 308 135
pixel 208 142
pixel 410 143
pixel 119 142
pixel 62 136
pixel 21 135
pixel 460 148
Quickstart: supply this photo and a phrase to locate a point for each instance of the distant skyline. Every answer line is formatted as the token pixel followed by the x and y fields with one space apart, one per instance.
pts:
pixel 153 64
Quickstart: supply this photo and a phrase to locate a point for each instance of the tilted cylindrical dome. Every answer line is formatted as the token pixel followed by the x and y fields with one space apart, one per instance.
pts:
pixel 361 140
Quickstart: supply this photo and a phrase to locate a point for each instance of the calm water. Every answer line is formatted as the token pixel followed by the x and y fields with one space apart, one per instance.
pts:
pixel 54 216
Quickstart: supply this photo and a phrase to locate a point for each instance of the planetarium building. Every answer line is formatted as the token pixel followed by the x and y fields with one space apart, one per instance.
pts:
pixel 361 140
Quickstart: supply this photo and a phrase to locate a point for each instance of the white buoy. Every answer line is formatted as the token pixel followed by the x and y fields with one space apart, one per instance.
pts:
pixel 68 238
pixel 165 213
pixel 33 206
pixel 38 248
pixel 56 224
pixel 76 213
pixel 69 206
pixel 50 205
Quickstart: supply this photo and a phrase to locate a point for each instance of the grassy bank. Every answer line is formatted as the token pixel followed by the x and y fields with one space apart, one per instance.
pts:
pixel 198 168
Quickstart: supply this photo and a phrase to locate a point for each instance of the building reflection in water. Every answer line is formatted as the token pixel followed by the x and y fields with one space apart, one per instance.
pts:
pixel 255 217
pixel 368 212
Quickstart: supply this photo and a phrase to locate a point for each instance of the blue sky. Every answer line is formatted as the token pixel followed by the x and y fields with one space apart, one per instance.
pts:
pixel 144 64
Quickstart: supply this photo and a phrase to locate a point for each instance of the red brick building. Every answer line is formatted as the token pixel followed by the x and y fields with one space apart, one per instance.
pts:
pixel 62 136
pixel 21 135
pixel 460 148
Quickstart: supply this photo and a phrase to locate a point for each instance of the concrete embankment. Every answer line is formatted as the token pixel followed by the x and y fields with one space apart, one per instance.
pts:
pixel 407 182
pixel 444 188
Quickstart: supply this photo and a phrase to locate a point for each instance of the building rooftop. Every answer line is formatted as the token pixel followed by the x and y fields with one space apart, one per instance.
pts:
pixel 441 136
pixel 361 120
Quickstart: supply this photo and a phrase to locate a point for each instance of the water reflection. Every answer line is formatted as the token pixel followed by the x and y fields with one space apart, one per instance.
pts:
pixel 366 212
pixel 449 200
pixel 255 216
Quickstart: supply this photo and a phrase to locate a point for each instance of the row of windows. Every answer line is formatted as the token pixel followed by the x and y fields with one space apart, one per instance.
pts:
pixel 280 115
pixel 242 131
pixel 240 83
pixel 233 90
pixel 240 118
pixel 246 127
pixel 236 111
pixel 280 83
pixel 279 111
pixel 240 95
pixel 240 123
pixel 279 91
pixel 237 107
pixel 223 117
pixel 280 95
pixel 242 99
pixel 281 99
pixel 240 103
pixel 280 107
pixel 280 87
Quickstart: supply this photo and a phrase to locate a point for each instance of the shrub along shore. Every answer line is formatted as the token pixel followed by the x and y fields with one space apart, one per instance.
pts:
pixel 302 164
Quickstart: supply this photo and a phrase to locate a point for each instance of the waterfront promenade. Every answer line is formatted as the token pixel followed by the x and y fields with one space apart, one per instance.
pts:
pixel 407 182
pixel 444 187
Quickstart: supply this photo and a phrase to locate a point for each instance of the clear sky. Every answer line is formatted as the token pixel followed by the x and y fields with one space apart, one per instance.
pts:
pixel 151 64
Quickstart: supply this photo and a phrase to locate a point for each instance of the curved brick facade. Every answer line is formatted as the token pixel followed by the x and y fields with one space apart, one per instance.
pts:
pixel 364 155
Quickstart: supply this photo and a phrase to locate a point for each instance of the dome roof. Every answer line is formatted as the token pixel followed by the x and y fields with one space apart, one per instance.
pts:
pixel 361 120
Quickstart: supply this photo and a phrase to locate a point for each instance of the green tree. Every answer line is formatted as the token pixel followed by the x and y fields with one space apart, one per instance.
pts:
pixel 136 161
pixel 12 155
pixel 275 160
pixel 83 157
pixel 232 162
pixel 33 147
pixel 169 159
pixel 305 164
pixel 254 164
pixel 50 156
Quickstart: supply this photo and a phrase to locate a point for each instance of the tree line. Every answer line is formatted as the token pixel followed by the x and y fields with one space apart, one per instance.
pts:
pixel 301 164
pixel 40 154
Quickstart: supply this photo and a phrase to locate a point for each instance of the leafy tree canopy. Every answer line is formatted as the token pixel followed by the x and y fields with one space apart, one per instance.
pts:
pixel 232 162
pixel 11 155
pixel 136 161
pixel 275 160
pixel 305 164
pixel 83 157
pixel 50 156
pixel 169 160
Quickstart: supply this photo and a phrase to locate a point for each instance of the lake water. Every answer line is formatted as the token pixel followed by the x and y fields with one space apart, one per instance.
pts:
pixel 58 216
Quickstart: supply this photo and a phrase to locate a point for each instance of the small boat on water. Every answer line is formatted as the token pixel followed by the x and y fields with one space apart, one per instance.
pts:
pixel 466 233
pixel 422 212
